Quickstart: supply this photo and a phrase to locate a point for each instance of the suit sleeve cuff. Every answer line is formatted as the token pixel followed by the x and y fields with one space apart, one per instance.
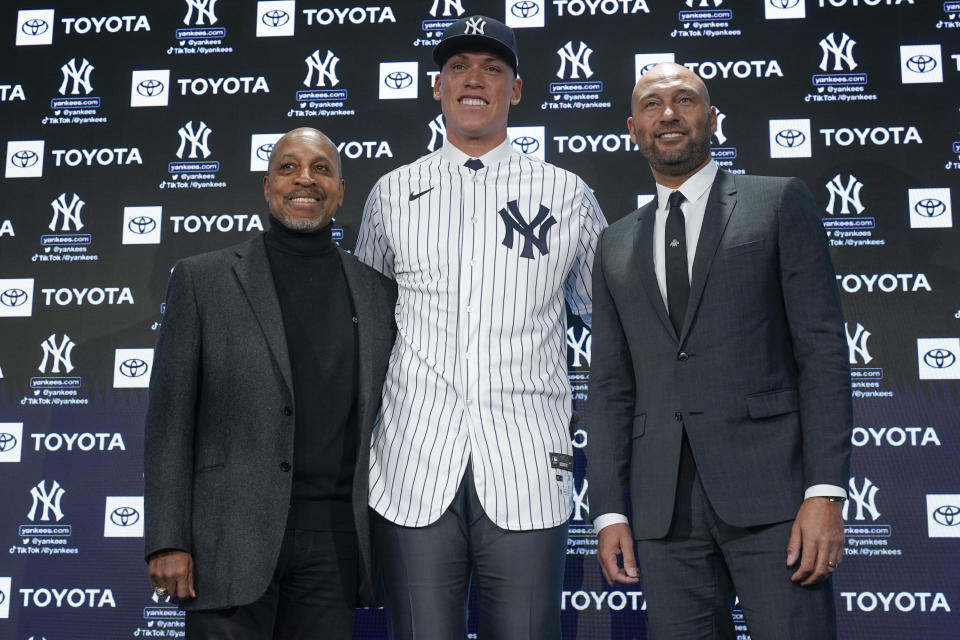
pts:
pixel 607 519
pixel 824 491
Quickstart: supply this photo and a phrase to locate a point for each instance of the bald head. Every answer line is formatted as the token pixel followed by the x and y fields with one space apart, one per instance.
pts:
pixel 309 135
pixel 672 122
pixel 670 74
pixel 304 184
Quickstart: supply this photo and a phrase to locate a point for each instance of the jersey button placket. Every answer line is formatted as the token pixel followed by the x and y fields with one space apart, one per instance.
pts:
pixel 474 250
pixel 468 232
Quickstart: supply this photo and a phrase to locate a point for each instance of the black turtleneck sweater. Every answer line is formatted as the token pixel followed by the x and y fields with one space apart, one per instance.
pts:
pixel 321 340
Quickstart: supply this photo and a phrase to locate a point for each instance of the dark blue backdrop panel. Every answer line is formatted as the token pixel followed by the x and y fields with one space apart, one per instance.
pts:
pixel 135 134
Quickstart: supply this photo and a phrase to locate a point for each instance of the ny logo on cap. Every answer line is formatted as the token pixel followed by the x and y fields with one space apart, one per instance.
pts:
pixel 475 26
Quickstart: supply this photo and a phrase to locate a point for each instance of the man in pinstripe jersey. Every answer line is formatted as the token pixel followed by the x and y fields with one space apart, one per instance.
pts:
pixel 471 465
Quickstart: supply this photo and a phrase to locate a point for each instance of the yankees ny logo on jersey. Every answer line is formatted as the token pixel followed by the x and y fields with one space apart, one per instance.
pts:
pixel 514 222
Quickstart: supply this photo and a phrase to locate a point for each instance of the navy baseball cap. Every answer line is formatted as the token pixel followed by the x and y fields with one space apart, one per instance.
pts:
pixel 480 33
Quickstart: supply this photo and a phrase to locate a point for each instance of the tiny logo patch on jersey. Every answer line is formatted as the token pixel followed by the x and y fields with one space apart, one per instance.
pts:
pixel 414 196
pixel 561 461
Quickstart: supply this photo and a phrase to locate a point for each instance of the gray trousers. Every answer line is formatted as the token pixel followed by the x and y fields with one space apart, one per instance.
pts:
pixel 427 570
pixel 689 577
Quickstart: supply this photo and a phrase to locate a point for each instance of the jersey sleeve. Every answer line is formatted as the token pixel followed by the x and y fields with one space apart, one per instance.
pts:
pixel 373 246
pixel 578 287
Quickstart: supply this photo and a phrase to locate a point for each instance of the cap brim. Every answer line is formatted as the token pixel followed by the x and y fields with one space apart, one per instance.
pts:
pixel 455 44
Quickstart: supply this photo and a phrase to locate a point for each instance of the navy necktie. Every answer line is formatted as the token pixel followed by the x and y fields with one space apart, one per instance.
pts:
pixel 473 163
pixel 675 262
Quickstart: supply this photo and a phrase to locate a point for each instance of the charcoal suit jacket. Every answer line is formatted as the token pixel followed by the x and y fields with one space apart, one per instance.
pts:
pixel 758 377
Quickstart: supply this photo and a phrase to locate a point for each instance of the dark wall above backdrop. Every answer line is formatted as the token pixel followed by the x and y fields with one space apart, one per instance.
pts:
pixel 135 134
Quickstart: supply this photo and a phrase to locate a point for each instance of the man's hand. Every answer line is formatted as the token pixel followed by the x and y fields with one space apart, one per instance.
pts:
pixel 612 541
pixel 574 421
pixel 816 540
pixel 173 571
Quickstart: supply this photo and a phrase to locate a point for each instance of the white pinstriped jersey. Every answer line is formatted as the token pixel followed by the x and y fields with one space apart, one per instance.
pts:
pixel 483 261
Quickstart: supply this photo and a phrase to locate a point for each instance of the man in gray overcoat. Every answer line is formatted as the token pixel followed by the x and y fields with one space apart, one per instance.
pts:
pixel 266 381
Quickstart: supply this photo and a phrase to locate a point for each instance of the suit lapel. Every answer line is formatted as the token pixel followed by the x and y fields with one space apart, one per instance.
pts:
pixel 256 279
pixel 644 252
pixel 720 204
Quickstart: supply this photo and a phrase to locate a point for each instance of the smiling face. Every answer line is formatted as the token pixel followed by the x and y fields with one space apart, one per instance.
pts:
pixel 303 187
pixel 476 90
pixel 672 122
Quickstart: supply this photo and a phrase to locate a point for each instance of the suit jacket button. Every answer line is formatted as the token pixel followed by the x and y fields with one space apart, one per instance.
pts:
pixel 682 356
pixel 284 466
pixel 678 416
pixel 287 411
pixel 355 320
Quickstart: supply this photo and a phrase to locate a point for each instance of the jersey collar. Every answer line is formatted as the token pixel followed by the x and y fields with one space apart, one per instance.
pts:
pixel 497 154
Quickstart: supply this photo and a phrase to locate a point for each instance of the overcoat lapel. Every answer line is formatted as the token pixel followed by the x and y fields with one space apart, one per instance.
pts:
pixel 361 311
pixel 256 279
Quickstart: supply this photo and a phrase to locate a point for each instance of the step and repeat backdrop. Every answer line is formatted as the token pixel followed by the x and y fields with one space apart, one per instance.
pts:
pixel 136 133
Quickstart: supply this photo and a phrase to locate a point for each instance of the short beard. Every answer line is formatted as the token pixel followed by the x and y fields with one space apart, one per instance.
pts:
pixel 304 224
pixel 682 161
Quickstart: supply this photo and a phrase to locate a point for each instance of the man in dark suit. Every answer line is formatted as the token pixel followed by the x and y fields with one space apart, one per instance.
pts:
pixel 719 388
pixel 266 382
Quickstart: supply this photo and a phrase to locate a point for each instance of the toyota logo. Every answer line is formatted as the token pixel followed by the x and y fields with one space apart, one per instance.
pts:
pixel 930 208
pixel 526 144
pixel 34 27
pixel 790 138
pixel 647 67
pixel 149 87
pixel 142 224
pixel 525 9
pixel 275 18
pixel 133 367
pixel 13 298
pixel 124 516
pixel 784 4
pixel 264 150
pixel 398 80
pixel 948 515
pixel 921 63
pixel 939 358
pixel 7 442
pixel 24 158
